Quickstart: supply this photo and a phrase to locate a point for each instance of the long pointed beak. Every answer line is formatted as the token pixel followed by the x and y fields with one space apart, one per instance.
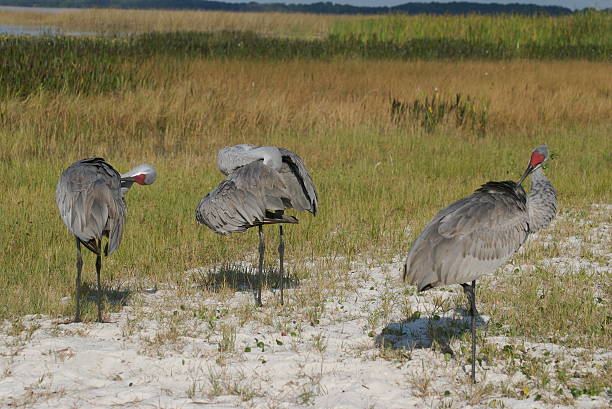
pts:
pixel 527 172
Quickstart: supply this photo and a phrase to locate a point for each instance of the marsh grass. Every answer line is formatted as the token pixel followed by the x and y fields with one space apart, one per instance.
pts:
pixel 86 65
pixel 505 31
pixel 580 35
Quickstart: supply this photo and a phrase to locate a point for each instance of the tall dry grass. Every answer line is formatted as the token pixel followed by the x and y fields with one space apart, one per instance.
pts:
pixel 233 100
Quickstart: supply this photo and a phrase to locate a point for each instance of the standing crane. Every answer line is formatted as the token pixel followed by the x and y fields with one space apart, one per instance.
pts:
pixel 477 234
pixel 89 195
pixel 263 181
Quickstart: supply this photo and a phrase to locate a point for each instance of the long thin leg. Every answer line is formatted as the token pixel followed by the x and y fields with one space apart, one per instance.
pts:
pixel 98 267
pixel 262 249
pixel 281 256
pixel 470 291
pixel 79 266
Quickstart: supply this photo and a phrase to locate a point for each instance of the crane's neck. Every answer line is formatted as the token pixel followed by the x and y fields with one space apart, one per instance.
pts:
pixel 232 157
pixel 541 201
pixel 271 156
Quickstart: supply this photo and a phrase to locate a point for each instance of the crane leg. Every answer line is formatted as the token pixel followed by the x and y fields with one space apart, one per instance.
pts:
pixel 262 249
pixel 98 267
pixel 79 266
pixel 470 292
pixel 281 256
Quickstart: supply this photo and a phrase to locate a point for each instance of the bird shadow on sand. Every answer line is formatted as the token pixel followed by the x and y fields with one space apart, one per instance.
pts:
pixel 115 297
pixel 420 333
pixel 113 300
pixel 241 278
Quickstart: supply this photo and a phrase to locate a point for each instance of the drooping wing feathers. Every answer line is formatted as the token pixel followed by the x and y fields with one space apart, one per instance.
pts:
pixel 469 238
pixel 89 198
pixel 253 194
pixel 299 182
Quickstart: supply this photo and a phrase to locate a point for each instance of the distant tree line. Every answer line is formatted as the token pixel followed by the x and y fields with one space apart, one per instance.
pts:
pixel 318 8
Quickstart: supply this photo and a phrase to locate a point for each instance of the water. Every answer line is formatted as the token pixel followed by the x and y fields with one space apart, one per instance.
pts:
pixel 37 30
pixel 39 9
pixel 40 31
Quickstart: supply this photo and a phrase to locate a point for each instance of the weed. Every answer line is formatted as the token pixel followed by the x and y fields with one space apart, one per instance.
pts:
pixel 430 113
pixel 228 338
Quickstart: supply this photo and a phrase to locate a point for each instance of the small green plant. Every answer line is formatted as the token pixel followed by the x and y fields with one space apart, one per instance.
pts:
pixel 319 343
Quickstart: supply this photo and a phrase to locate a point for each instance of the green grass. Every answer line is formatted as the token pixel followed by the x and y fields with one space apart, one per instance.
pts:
pixel 529 300
pixel 540 36
pixel 401 180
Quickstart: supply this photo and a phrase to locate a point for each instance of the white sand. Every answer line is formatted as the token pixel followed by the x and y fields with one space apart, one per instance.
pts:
pixel 135 361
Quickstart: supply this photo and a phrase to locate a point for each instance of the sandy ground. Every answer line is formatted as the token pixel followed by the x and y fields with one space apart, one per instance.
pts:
pixel 172 348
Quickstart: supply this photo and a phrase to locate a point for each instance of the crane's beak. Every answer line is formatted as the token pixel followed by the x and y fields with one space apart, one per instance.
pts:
pixel 527 172
pixel 126 184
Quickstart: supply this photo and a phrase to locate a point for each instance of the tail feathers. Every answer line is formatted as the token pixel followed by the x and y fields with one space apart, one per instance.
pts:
pixel 282 219
pixel 277 216
pixel 423 287
pixel 92 245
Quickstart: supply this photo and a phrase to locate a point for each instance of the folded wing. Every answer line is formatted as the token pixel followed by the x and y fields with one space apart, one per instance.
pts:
pixel 89 198
pixel 469 238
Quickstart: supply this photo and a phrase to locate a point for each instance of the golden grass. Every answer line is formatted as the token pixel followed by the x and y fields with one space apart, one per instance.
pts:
pixel 194 105
pixel 374 177
pixel 114 21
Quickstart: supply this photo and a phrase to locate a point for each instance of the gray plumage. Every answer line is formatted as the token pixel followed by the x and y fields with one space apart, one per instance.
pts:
pixel 541 201
pixel 89 196
pixel 262 182
pixel 469 238
pixel 91 204
pixel 477 234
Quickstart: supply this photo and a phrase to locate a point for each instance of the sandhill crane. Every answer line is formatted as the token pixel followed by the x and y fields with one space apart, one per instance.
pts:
pixel 263 181
pixel 477 234
pixel 89 195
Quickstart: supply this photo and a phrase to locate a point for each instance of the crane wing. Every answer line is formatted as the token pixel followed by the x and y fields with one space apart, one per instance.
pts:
pixel 89 198
pixel 298 181
pixel 471 237
pixel 253 194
